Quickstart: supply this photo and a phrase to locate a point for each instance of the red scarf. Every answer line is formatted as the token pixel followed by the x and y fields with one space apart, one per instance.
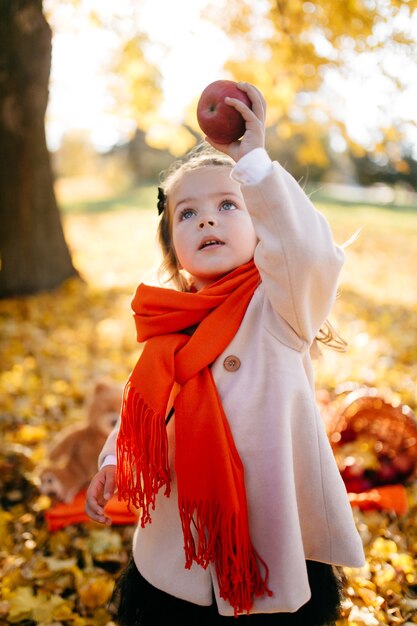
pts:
pixel 210 475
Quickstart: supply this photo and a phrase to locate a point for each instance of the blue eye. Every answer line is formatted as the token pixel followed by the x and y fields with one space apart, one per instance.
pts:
pixel 228 205
pixel 186 214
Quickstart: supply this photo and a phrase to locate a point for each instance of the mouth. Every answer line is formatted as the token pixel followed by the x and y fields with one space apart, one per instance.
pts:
pixel 210 242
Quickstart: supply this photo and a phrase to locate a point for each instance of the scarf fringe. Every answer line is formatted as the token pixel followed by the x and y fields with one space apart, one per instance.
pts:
pixel 209 537
pixel 142 454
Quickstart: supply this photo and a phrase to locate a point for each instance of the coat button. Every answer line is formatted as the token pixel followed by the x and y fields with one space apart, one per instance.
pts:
pixel 231 363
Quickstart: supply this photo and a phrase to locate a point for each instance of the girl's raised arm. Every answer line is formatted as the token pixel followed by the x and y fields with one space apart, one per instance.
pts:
pixel 296 256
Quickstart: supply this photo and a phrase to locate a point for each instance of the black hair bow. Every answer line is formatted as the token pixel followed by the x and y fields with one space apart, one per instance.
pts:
pixel 161 200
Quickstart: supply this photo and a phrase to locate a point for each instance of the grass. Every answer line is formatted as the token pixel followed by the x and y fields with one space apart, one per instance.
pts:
pixel 104 200
pixel 379 262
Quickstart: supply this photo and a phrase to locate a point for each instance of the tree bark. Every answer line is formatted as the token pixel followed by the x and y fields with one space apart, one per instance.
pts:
pixel 33 253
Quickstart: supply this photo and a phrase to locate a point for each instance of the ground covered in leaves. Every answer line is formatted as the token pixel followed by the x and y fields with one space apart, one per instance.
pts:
pixel 55 345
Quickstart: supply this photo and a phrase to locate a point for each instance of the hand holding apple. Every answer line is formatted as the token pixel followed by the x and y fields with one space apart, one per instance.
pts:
pixel 219 121
pixel 228 111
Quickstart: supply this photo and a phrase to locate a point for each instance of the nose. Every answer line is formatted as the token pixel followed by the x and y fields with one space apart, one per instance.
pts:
pixel 206 221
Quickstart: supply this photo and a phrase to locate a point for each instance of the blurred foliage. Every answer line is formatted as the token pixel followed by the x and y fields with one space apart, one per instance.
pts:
pixel 286 48
pixel 54 345
pixel 136 81
pixel 76 155
pixel 380 169
pixel 138 161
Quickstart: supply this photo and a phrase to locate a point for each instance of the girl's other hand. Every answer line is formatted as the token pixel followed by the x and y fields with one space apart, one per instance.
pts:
pixel 254 136
pixel 101 489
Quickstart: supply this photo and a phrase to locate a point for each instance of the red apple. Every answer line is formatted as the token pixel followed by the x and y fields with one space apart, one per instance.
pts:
pixel 219 121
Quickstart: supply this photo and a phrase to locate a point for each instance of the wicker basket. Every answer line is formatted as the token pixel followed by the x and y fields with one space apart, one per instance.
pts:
pixel 391 429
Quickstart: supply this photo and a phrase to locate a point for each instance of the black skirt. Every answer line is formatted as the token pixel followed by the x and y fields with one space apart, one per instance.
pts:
pixel 140 604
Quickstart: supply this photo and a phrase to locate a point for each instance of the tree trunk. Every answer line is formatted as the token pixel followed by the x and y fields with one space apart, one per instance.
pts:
pixel 33 253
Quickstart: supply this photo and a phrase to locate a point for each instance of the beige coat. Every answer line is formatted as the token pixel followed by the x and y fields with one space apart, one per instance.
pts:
pixel 298 506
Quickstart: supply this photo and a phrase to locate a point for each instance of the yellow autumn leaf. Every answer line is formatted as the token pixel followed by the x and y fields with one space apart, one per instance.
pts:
pixel 5 528
pixel 31 434
pixel 404 562
pixel 383 548
pixel 95 590
pixel 369 597
pixel 384 574
pixel 59 565
pixel 104 541
pixel 24 604
pixel 10 581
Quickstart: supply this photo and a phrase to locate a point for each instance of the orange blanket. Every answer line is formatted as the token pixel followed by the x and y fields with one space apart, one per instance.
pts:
pixel 386 498
pixel 61 515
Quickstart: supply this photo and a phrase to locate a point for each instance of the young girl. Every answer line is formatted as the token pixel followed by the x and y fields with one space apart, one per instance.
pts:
pixel 220 445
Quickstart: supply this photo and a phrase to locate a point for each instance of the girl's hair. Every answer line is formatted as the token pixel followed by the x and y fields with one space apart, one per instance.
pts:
pixel 203 155
pixel 329 336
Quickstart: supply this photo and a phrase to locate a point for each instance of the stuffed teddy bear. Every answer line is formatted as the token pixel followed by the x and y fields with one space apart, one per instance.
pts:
pixel 72 460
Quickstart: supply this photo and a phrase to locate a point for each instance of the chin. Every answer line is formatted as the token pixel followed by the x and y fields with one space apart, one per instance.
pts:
pixel 206 281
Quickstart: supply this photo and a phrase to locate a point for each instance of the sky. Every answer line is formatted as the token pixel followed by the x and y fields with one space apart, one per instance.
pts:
pixel 78 91
pixel 80 99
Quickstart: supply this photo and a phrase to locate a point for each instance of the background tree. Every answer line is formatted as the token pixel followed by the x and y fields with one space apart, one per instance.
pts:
pixel 34 254
pixel 370 170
